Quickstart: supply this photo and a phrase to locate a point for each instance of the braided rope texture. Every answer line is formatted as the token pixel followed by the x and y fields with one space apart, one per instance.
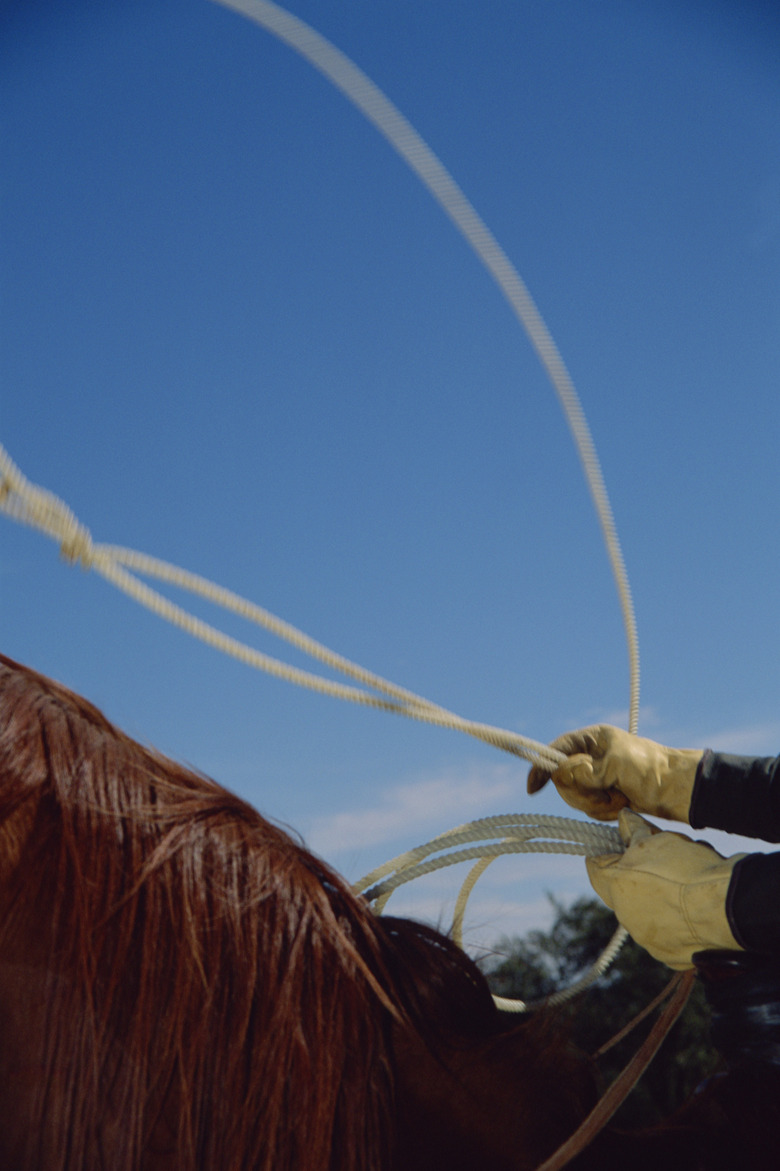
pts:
pixel 518 833
pixel 29 504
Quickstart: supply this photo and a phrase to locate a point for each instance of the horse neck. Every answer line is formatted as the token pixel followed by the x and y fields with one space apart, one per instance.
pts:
pixel 471 1089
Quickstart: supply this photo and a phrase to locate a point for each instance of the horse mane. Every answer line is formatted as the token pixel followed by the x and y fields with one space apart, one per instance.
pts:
pixel 180 980
pixel 193 954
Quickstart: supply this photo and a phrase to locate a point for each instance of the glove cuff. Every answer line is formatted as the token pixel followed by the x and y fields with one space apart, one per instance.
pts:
pixel 704 906
pixel 677 782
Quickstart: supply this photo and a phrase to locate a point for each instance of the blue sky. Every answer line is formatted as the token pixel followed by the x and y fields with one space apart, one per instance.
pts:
pixel 238 335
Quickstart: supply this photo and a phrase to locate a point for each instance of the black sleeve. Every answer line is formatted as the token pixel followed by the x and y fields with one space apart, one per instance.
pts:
pixel 753 902
pixel 741 794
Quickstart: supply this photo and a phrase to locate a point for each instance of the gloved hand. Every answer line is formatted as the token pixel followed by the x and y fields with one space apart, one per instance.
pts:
pixel 668 891
pixel 609 769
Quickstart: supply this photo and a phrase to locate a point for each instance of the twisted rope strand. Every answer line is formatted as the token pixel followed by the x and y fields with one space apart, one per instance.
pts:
pixel 32 505
pixel 602 838
pixel 521 833
pixel 376 107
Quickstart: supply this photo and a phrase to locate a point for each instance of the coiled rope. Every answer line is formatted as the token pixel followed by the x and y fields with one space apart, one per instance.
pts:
pixel 32 505
pixel 520 833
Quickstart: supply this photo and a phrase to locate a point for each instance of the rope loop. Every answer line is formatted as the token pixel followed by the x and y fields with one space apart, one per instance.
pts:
pixel 518 833
pixel 32 505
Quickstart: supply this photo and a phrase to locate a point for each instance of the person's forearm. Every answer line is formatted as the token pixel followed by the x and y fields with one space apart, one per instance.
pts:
pixel 740 794
pixel 753 902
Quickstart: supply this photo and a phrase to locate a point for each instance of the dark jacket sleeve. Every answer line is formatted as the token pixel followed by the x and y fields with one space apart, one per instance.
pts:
pixel 741 794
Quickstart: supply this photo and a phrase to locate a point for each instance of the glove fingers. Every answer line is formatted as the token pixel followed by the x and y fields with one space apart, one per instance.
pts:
pixel 581 747
pixel 599 873
pixel 587 741
pixel 634 829
pixel 537 778
pixel 580 788
pixel 602 804
pixel 574 772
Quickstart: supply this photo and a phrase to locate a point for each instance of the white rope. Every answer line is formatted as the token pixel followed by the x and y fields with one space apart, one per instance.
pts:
pixel 595 972
pixel 520 833
pixel 29 504
pixel 402 136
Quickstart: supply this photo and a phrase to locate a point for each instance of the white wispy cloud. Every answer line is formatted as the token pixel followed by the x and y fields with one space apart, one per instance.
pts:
pixel 750 739
pixel 509 899
pixel 725 843
pixel 436 803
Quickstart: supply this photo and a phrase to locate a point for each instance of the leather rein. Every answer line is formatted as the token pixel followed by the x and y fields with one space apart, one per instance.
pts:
pixel 676 995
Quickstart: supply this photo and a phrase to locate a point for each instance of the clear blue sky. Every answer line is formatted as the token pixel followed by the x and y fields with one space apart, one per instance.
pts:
pixel 237 334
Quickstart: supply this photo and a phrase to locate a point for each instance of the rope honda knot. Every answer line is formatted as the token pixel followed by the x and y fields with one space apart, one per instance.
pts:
pixel 77 548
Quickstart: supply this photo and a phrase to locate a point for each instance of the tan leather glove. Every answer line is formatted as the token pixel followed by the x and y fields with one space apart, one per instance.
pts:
pixel 609 769
pixel 668 891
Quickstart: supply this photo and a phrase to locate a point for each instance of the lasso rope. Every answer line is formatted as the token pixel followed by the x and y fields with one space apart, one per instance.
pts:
pixel 41 509
pixel 29 504
pixel 519 833
pixel 402 136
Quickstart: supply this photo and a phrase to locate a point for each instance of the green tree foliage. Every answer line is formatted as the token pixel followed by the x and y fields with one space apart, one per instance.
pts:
pixel 545 961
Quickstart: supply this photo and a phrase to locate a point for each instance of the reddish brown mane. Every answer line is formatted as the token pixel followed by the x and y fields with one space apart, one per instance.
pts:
pixel 182 984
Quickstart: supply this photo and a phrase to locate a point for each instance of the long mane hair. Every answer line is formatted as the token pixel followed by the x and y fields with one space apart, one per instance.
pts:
pixel 183 985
